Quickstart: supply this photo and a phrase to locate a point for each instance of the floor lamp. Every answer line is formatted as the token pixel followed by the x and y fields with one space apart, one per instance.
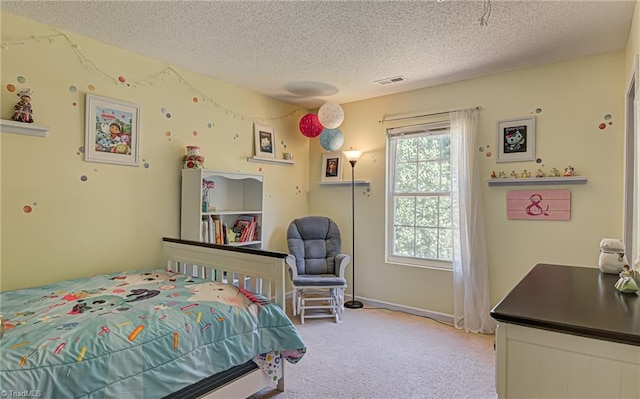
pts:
pixel 352 157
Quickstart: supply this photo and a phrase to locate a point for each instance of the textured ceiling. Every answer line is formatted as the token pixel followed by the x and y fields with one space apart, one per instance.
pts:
pixel 311 52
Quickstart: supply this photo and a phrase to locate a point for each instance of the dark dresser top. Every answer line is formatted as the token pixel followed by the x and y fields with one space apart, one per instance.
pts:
pixel 573 300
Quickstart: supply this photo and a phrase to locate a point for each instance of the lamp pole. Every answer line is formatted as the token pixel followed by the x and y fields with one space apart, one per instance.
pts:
pixel 352 157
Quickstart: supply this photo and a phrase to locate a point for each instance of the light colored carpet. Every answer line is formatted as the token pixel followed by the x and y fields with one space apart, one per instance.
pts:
pixel 382 354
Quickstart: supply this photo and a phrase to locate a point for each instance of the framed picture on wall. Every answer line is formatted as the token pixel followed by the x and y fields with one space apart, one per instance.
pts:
pixel 265 141
pixel 332 166
pixel 112 131
pixel 516 140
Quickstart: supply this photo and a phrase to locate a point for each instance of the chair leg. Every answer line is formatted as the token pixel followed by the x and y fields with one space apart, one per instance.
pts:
pixel 294 302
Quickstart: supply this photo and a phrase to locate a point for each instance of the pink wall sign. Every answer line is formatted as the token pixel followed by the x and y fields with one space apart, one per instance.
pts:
pixel 539 204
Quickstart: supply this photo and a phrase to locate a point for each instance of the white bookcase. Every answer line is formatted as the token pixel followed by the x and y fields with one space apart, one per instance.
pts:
pixel 234 195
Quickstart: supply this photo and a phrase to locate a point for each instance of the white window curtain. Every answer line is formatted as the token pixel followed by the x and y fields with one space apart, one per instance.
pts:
pixel 470 262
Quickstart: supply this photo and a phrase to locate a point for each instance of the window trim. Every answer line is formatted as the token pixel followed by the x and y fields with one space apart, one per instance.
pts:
pixel 423 129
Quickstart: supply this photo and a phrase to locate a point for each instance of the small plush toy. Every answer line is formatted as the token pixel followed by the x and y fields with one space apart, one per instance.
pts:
pixel 22 111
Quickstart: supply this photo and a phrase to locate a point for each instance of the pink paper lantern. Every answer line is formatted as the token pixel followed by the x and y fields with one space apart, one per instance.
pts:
pixel 310 125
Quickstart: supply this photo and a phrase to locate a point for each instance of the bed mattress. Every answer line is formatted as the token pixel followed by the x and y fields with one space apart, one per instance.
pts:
pixel 136 334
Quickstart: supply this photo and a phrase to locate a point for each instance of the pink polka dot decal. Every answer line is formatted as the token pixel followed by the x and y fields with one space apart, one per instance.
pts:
pixel 122 79
pixel 602 126
pixel 11 88
pixel 27 209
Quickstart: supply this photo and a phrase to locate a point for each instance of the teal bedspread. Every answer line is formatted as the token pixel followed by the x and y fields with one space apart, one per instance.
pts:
pixel 140 334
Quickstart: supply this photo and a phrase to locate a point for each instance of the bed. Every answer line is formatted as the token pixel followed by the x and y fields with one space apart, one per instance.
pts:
pixel 210 322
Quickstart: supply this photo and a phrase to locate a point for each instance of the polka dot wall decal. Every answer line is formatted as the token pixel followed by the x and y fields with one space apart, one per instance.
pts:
pixel 235 136
pixel 168 115
pixel 602 126
pixel 488 153
pixel 538 160
pixel 83 178
pixel 538 110
pixel 167 133
pixel 488 146
pixel 607 117
pixel 21 79
pixel 481 149
pixel 146 165
pixel 260 169
pixel 11 88
pixel 195 133
pixel 122 79
pixel 195 99
pixel 95 170
pixel 27 209
pixel 74 104
pixel 35 203
pixel 610 123
pixel 209 124
pixel 163 110
pixel 73 89
pixel 91 87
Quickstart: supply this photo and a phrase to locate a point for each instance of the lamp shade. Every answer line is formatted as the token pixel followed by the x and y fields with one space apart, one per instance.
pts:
pixel 331 139
pixel 330 115
pixel 352 155
pixel 310 125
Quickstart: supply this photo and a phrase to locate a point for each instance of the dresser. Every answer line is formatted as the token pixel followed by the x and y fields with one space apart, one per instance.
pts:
pixel 566 332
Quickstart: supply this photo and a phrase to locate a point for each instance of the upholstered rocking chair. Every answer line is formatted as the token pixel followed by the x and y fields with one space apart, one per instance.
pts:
pixel 316 267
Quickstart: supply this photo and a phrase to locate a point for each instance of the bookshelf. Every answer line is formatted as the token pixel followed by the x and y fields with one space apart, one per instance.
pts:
pixel 234 196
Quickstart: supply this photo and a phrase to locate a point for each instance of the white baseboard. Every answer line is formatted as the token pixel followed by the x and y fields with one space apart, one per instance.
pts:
pixel 431 314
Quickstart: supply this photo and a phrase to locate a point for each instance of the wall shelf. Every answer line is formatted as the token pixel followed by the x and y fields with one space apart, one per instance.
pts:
pixel 271 160
pixel 537 181
pixel 344 183
pixel 7 126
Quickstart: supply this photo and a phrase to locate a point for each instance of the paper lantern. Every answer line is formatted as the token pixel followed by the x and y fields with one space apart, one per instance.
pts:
pixel 310 125
pixel 330 115
pixel 331 139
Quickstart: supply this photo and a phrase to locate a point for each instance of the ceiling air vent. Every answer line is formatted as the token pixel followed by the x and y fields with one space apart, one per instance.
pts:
pixel 395 79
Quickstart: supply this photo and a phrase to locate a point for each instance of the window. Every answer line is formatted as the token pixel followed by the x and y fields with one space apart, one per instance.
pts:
pixel 419 195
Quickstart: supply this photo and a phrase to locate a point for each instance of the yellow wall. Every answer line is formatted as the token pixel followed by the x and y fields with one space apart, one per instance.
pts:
pixel 574 97
pixel 633 45
pixel 115 220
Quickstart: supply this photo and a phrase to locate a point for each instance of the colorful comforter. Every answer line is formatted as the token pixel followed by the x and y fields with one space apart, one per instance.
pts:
pixel 134 335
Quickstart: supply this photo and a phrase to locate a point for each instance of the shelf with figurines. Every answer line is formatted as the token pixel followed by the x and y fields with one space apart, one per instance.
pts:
pixel 540 178
pixel 22 118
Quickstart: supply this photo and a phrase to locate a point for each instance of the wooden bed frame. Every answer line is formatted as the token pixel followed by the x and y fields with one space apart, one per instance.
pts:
pixel 259 271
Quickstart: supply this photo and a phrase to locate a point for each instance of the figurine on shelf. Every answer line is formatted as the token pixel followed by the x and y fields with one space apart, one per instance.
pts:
pixel 568 171
pixel 193 159
pixel 207 186
pixel 502 175
pixel 626 283
pixel 554 173
pixel 493 174
pixel 22 111
pixel 539 173
pixel 525 174
pixel 513 174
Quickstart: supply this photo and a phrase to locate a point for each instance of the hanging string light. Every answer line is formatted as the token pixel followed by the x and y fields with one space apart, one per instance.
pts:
pixel 149 81
pixel 484 19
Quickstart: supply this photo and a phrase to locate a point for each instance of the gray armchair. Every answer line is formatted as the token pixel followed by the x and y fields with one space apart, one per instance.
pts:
pixel 316 267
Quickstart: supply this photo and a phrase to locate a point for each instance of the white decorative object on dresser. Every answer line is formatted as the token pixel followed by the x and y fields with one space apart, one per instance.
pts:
pixel 221 207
